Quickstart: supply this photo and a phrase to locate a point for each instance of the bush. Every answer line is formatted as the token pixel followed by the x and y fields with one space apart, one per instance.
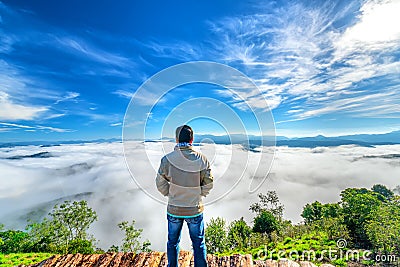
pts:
pixel 80 246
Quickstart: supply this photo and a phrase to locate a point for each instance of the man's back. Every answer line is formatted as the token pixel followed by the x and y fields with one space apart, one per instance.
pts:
pixel 188 175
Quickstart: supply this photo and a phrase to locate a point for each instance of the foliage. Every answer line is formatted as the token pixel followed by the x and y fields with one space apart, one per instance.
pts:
pixel 216 235
pixel 312 212
pixel 14 241
pixel 265 222
pixel 75 217
pixel 383 191
pixel 113 248
pixel 357 207
pixel 238 234
pixel 80 246
pixel 333 227
pixel 131 241
pixel 316 211
pixel 383 228
pixel 269 202
pixel 15 259
pixel 65 230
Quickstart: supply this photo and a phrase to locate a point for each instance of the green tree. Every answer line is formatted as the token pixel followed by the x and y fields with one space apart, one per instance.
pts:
pixel 331 210
pixel 265 223
pixel 65 230
pixel 269 202
pixel 46 236
pixel 14 241
pixel 383 228
pixel 76 217
pixel 131 241
pixel 216 235
pixel 312 212
pixel 239 234
pixel 383 191
pixel 357 204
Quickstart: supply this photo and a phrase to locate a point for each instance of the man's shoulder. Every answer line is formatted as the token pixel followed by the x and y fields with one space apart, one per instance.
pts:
pixel 200 155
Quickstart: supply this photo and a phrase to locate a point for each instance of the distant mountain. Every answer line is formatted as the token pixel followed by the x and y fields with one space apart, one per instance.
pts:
pixel 319 141
pixel 367 140
pixel 250 141
pixel 392 137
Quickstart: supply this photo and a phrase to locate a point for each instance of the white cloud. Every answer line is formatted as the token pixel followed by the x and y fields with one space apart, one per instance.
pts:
pixel 11 111
pixel 376 29
pixel 125 94
pixel 299 175
pixel 177 50
pixel 81 47
pixel 300 51
pixel 69 96
pixel 33 128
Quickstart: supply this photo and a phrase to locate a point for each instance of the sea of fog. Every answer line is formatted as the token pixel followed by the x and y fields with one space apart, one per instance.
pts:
pixel 34 178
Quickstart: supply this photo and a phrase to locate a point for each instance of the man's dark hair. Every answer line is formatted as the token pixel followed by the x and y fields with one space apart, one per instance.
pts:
pixel 184 134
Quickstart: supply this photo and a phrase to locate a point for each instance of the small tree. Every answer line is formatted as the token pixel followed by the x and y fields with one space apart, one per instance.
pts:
pixel 131 241
pixel 216 235
pixel 76 217
pixel 312 212
pixel 269 202
pixel 239 234
pixel 265 223
pixel 65 230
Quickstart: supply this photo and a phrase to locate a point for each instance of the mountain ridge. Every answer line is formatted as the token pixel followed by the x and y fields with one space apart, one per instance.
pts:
pixel 367 140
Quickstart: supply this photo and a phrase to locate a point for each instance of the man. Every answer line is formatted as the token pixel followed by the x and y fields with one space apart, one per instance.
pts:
pixel 185 177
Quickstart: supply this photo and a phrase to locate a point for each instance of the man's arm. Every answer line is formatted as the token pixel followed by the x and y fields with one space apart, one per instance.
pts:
pixel 206 180
pixel 162 181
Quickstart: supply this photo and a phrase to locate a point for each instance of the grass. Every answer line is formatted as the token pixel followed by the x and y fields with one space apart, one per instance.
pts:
pixel 14 259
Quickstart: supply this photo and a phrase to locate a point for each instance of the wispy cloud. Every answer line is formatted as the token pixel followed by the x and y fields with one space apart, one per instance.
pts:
pixel 177 49
pixel 68 97
pixel 11 111
pixel 15 126
pixel 319 54
pixel 81 47
pixel 124 94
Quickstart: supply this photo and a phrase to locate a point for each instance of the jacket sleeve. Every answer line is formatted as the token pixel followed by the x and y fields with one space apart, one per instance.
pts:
pixel 206 180
pixel 162 180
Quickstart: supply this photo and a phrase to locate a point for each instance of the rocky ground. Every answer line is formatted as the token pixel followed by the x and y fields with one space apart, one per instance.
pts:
pixel 159 259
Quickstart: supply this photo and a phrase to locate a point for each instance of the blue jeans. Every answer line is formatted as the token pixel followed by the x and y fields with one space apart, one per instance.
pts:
pixel 196 232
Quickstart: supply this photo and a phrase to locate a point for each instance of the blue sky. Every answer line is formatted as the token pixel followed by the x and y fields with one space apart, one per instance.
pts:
pixel 69 68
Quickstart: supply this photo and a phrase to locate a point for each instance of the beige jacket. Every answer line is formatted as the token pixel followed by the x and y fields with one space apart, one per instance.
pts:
pixel 185 177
